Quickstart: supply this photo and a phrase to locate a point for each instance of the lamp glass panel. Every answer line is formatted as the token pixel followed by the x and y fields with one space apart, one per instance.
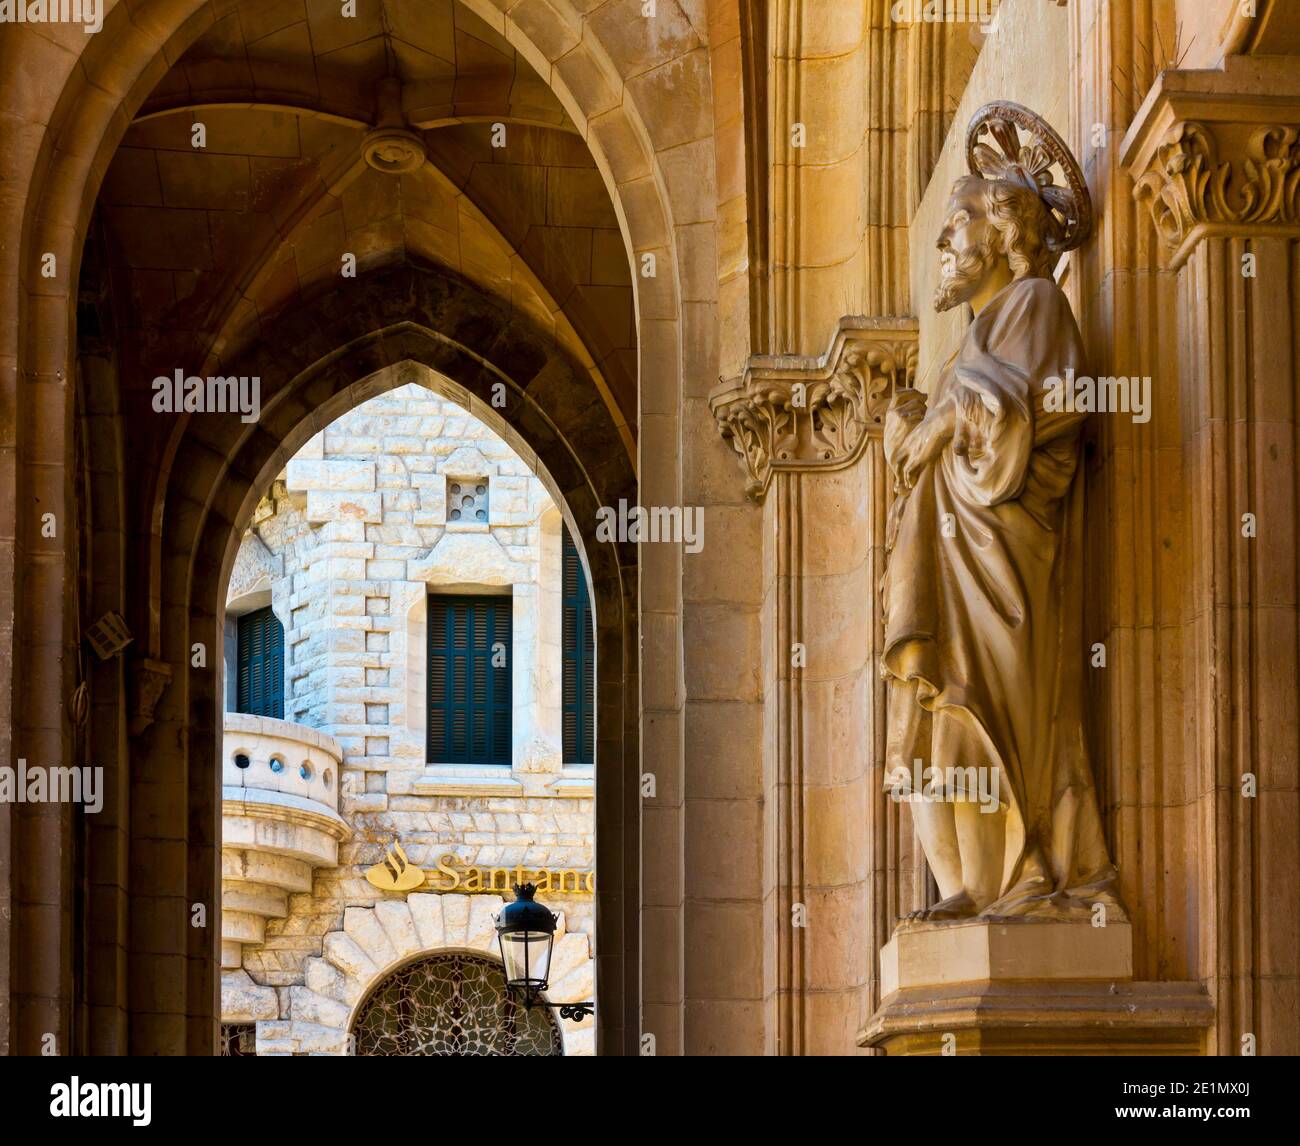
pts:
pixel 527 956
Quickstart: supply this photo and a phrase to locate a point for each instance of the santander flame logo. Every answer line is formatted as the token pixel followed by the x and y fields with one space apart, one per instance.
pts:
pixel 396 872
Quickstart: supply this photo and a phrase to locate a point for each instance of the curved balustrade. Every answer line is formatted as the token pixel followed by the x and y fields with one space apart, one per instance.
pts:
pixel 280 821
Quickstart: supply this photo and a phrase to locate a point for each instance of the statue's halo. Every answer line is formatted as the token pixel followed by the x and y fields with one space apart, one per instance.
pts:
pixel 1030 164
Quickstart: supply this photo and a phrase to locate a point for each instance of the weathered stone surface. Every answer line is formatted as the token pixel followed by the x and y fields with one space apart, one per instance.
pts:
pixel 243 1001
pixel 323 505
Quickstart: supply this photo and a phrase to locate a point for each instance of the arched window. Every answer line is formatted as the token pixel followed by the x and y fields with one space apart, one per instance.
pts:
pixel 451 1004
pixel 579 635
pixel 260 684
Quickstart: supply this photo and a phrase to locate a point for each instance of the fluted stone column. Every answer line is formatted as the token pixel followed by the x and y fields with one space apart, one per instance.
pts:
pixel 940 56
pixel 1215 155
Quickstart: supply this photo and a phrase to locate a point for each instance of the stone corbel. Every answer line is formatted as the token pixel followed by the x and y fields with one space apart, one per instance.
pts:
pixel 148 679
pixel 801 413
pixel 1218 153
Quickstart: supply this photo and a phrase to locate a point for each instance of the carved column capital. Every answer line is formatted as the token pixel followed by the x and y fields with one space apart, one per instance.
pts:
pixel 1218 153
pixel 796 412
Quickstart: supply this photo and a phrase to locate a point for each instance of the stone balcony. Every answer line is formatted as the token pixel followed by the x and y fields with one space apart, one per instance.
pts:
pixel 279 822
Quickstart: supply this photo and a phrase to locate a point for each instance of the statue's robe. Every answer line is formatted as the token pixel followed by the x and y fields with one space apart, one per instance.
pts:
pixel 983 619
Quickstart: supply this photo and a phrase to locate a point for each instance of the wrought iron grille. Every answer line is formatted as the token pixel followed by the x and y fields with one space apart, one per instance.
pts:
pixel 452 1005
pixel 239 1040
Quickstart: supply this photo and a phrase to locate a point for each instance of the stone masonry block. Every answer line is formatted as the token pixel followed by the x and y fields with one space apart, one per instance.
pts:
pixel 332 474
pixel 326 505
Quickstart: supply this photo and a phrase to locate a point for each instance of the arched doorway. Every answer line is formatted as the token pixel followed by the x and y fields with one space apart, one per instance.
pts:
pixel 451 1004
pixel 458 343
pixel 430 760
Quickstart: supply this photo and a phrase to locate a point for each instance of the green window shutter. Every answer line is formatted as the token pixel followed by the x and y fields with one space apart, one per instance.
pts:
pixel 579 702
pixel 470 703
pixel 260 661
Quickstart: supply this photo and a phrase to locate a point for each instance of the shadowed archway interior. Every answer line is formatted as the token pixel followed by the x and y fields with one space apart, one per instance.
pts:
pixel 245 226
pixel 201 174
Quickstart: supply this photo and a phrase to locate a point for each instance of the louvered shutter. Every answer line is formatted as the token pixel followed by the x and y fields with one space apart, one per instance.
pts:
pixel 470 704
pixel 579 700
pixel 260 660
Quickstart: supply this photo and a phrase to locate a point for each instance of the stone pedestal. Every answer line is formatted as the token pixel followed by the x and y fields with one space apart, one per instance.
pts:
pixel 1022 987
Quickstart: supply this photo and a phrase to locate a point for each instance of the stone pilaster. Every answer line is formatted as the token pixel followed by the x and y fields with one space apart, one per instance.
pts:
pixel 837 237
pixel 1215 156
pixel 807 434
pixel 1125 303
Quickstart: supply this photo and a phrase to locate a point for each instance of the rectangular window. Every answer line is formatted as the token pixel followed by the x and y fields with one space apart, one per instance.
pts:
pixel 579 703
pixel 260 659
pixel 469 680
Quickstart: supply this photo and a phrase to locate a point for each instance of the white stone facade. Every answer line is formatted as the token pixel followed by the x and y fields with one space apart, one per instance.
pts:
pixel 346 547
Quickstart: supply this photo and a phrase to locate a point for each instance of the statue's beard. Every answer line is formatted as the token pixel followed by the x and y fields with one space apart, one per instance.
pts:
pixel 963 275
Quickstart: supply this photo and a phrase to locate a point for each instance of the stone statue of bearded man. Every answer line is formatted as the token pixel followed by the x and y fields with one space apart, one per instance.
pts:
pixel 982 594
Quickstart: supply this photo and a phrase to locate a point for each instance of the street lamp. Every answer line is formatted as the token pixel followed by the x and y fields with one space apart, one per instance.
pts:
pixel 525 933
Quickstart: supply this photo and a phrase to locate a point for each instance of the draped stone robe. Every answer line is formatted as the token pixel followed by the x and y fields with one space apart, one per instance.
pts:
pixel 983 627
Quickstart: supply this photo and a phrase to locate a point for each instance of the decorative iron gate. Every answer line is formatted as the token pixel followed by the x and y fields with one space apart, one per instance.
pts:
pixel 451 1004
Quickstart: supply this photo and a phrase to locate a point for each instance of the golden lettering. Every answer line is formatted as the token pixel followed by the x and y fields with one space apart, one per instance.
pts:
pixel 444 866
pixel 397 873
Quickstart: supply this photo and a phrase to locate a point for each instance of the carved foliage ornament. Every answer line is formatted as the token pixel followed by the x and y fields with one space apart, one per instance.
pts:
pixel 806 414
pixel 1189 185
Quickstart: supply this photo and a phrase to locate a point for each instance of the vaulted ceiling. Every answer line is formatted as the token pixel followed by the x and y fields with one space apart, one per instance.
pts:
pixel 207 245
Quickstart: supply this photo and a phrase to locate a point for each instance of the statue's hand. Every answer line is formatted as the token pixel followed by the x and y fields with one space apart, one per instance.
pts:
pixel 975 420
pixel 925 443
pixel 906 410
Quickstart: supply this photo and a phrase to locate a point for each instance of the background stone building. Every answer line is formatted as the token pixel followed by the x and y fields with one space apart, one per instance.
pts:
pixel 648 228
pixel 391 536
